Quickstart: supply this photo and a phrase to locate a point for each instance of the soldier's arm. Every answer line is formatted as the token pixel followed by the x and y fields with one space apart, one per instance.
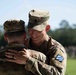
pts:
pixel 37 55
pixel 57 64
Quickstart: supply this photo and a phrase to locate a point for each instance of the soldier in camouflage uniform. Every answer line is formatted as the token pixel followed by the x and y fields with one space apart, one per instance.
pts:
pixel 14 32
pixel 40 41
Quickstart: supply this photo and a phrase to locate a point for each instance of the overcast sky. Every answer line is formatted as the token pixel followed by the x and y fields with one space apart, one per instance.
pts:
pixel 59 10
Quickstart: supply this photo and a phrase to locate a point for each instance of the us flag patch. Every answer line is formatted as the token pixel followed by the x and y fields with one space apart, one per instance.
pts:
pixel 59 58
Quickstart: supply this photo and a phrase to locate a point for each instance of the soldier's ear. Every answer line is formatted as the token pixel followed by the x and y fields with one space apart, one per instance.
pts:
pixel 47 28
pixel 5 37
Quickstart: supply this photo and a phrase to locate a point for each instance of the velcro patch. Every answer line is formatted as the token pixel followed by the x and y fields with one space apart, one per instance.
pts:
pixel 59 58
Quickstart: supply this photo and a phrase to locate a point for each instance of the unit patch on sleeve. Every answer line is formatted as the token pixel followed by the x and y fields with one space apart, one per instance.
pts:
pixel 59 58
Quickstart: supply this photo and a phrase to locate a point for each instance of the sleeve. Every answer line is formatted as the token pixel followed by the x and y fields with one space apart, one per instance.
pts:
pixel 56 67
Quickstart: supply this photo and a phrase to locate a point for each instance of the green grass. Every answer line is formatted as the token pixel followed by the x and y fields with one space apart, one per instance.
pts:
pixel 71 67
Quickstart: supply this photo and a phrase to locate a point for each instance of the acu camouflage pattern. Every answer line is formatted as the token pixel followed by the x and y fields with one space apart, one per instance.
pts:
pixel 55 65
pixel 14 25
pixel 8 68
pixel 38 19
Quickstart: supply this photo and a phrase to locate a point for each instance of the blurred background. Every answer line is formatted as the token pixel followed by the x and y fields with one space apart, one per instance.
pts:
pixel 62 21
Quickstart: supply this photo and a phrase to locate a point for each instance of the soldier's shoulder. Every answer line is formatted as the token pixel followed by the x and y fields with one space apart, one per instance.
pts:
pixel 58 45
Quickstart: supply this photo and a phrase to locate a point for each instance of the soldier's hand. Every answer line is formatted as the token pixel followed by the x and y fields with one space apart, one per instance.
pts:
pixel 19 57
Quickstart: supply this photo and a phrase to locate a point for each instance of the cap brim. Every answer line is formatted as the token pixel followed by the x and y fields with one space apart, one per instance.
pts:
pixel 39 27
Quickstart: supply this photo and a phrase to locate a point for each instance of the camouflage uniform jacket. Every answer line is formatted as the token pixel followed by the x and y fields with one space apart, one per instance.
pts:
pixel 8 68
pixel 56 55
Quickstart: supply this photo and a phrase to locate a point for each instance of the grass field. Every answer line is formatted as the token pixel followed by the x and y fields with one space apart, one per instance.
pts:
pixel 71 67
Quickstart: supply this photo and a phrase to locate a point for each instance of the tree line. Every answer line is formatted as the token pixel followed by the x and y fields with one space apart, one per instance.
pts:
pixel 66 34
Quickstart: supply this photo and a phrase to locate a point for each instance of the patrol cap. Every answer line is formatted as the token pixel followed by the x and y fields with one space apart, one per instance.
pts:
pixel 14 26
pixel 38 19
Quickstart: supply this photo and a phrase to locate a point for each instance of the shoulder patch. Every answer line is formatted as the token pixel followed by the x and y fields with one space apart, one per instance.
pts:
pixel 59 58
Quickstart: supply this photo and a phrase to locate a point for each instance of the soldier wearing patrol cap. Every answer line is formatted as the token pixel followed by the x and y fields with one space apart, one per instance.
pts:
pixel 38 27
pixel 14 31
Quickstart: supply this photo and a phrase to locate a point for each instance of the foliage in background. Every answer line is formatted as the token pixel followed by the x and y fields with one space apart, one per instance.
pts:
pixel 66 35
